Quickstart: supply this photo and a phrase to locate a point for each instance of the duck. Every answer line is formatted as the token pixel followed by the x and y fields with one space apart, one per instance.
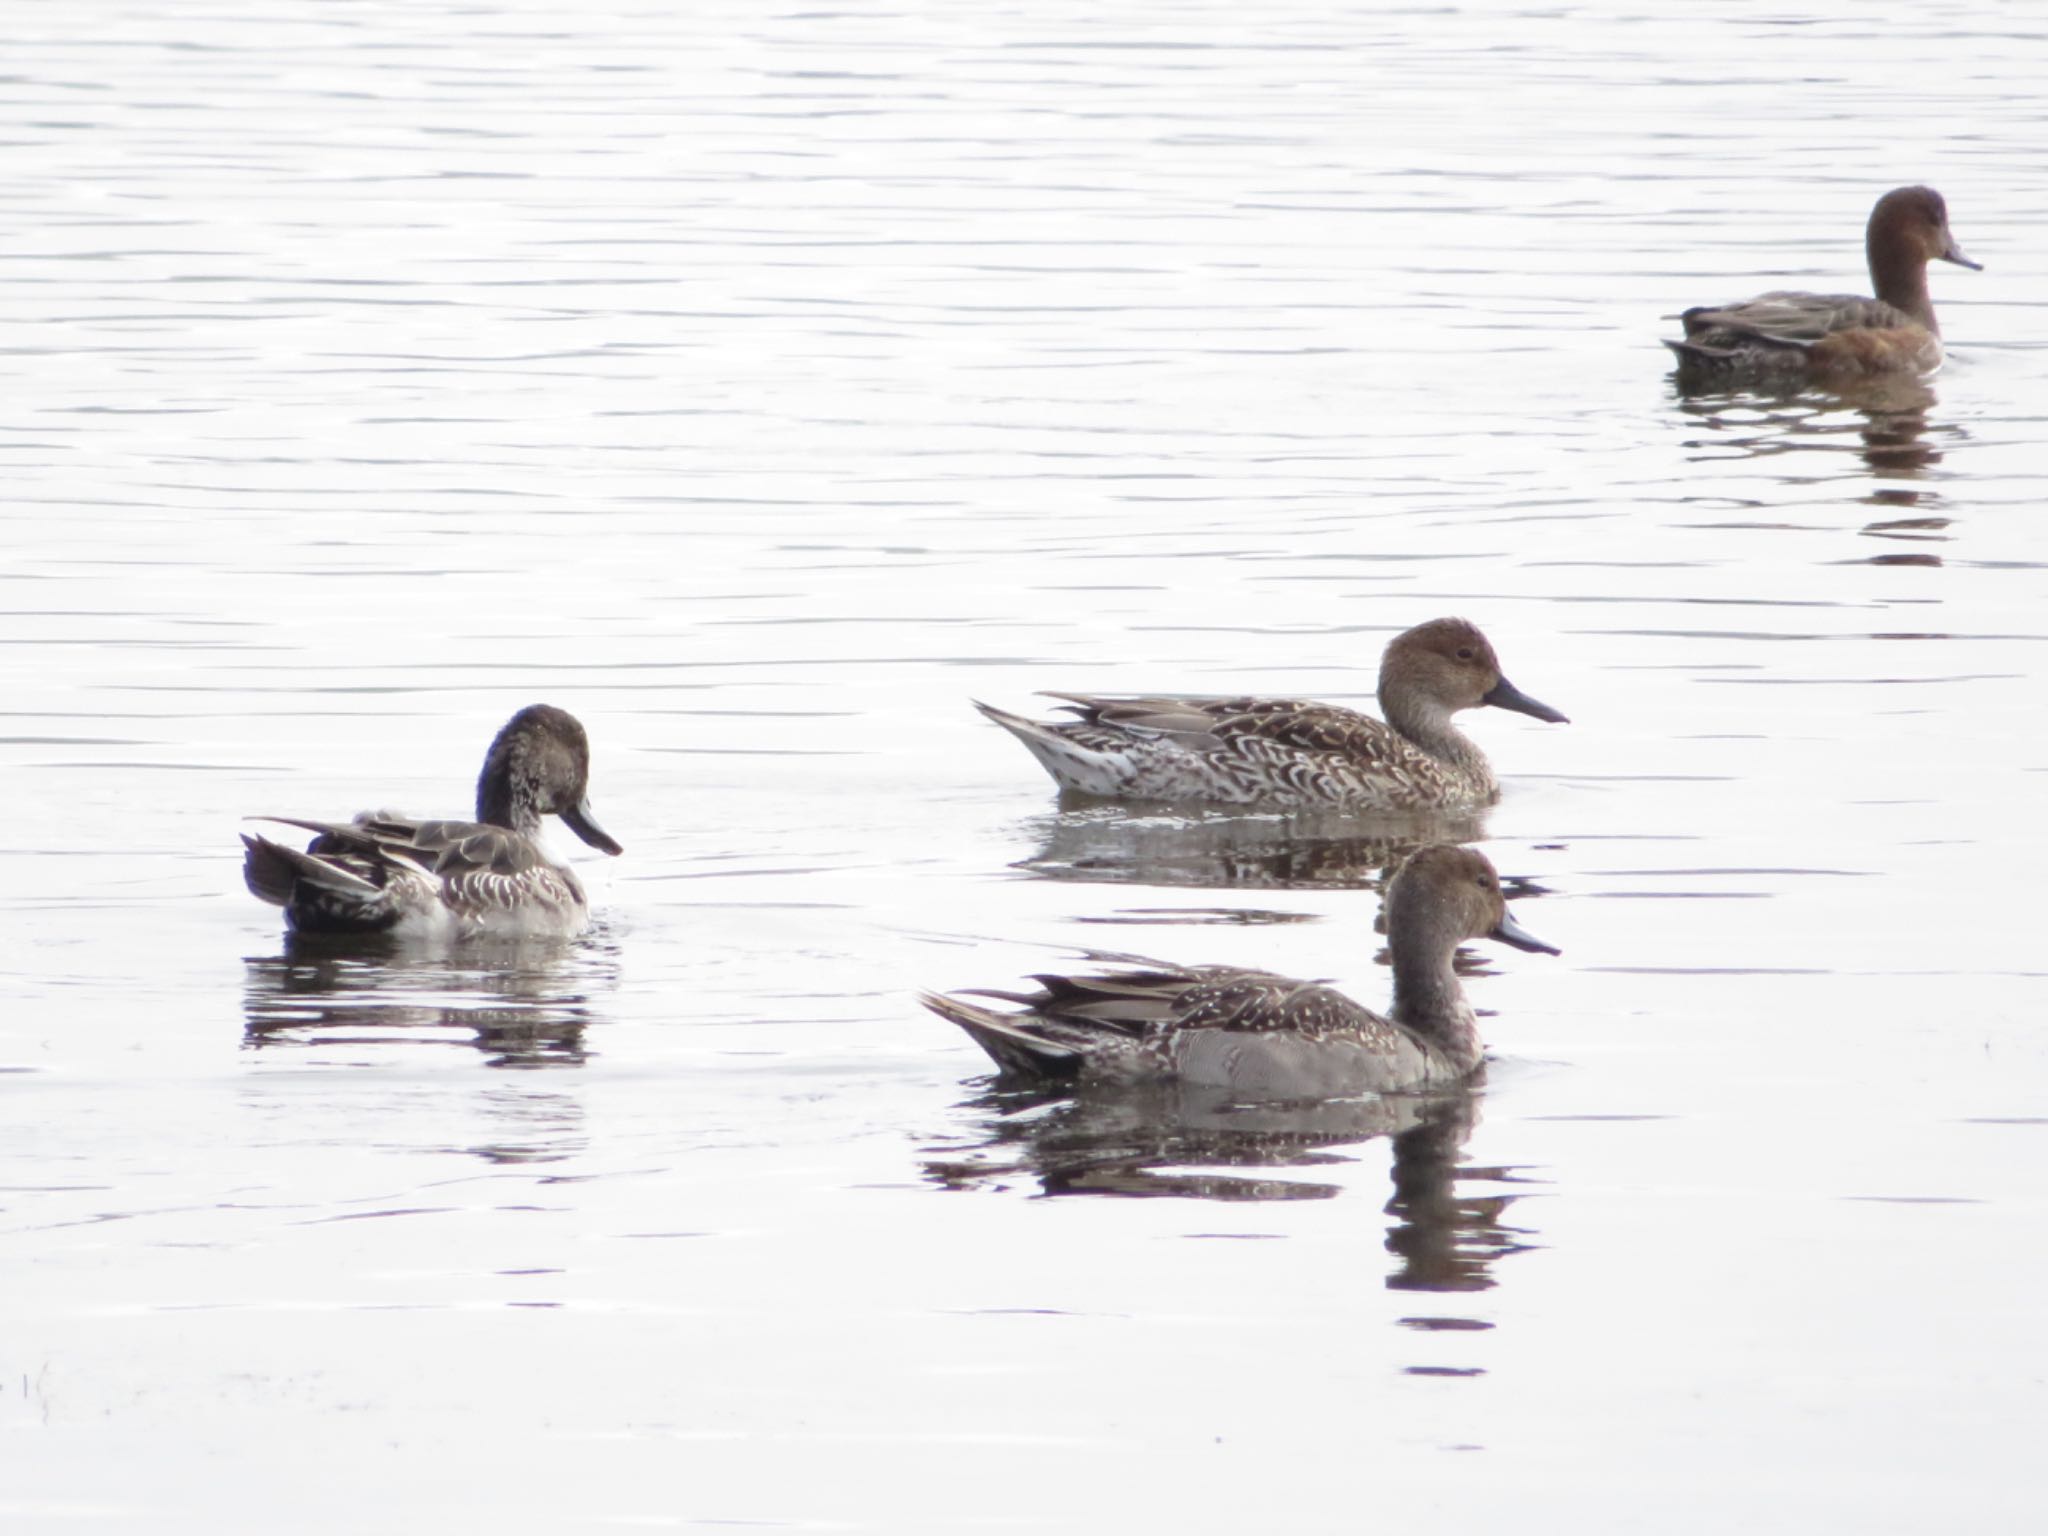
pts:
pixel 1294 754
pixel 385 873
pixel 1789 337
pixel 1258 1034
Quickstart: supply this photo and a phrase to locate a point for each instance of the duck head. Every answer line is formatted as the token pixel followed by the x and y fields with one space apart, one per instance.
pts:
pixel 1447 665
pixel 539 765
pixel 1912 223
pixel 1451 894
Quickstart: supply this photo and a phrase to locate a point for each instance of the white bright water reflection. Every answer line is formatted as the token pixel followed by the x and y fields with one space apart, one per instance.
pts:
pixel 762 386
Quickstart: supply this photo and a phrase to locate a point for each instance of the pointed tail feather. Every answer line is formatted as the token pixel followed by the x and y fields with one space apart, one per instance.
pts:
pixel 273 872
pixel 1011 1045
pixel 1072 765
pixel 1055 755
pixel 324 828
pixel 366 834
pixel 1019 724
pixel 267 871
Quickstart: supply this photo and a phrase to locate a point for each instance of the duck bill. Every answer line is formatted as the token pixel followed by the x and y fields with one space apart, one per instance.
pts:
pixel 1508 931
pixel 1505 695
pixel 1950 251
pixel 585 826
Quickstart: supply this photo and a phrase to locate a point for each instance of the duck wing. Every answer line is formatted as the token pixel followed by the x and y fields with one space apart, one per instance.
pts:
pixel 1251 1026
pixel 450 849
pixel 1166 998
pixel 1258 1002
pixel 1790 319
pixel 476 868
pixel 1212 724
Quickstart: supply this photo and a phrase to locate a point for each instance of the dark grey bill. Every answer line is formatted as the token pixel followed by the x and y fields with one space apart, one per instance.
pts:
pixel 1505 695
pixel 585 826
pixel 1953 252
pixel 1508 931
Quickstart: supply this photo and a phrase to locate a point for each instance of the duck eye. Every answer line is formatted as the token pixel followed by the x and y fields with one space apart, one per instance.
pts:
pixel 1464 653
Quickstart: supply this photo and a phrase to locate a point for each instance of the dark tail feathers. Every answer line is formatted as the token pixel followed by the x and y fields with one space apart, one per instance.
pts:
pixel 1010 1044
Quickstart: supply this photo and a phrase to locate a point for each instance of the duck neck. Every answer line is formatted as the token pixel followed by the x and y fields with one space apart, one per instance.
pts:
pixel 1900 278
pixel 1429 1002
pixel 506 797
pixel 1429 727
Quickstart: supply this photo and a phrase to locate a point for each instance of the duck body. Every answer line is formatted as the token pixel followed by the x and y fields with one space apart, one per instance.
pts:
pixel 1260 1034
pixel 1210 1026
pixel 1290 754
pixel 1788 337
pixel 384 873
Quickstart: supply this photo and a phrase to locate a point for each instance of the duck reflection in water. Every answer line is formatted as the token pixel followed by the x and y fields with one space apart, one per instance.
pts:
pixel 1885 421
pixel 1307 850
pixel 1204 1144
pixel 523 1003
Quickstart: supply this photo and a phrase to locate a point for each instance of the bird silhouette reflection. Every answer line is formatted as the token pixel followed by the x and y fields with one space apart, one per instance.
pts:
pixel 1328 850
pixel 1177 1142
pixel 522 1003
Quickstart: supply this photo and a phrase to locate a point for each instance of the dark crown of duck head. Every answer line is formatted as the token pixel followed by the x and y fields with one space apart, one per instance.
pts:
pixel 539 765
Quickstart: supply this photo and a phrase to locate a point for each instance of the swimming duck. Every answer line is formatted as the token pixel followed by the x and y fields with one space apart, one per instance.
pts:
pixel 1260 1034
pixel 386 873
pixel 1788 337
pixel 1289 753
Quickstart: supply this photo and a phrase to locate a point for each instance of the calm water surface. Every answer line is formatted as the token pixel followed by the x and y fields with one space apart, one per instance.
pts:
pixel 763 384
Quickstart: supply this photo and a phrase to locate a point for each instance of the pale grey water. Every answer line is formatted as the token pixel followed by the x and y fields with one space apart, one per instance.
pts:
pixel 763 384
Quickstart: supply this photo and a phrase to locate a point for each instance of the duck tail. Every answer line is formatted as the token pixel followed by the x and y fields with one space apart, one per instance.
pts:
pixel 1054 753
pixel 1072 764
pixel 1765 362
pixel 274 873
pixel 1732 346
pixel 1016 725
pixel 1698 357
pixel 1011 1045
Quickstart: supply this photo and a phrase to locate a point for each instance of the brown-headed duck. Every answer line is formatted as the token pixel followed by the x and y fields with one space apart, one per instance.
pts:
pixel 1788 337
pixel 1284 754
